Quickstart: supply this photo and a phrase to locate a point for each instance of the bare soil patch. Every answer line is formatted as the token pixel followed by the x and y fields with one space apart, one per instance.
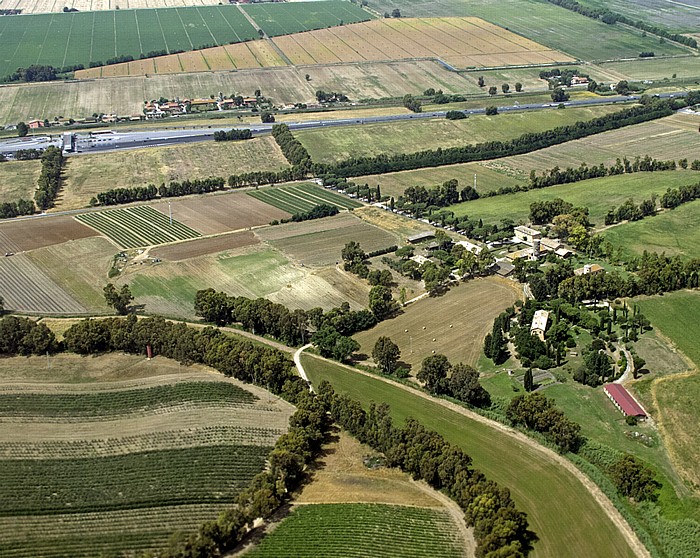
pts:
pixel 222 212
pixel 204 246
pixel 28 234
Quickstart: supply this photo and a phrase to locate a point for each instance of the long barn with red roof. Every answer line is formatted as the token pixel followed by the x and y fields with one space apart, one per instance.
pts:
pixel 623 400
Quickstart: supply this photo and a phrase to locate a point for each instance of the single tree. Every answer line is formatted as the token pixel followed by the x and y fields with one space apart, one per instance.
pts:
pixel 396 12
pixel 481 81
pixel 505 88
pixel 464 385
pixel 22 129
pixel 386 354
pixel 119 300
pixel 528 382
pixel 493 90
pixel 381 302
pixel 633 479
pixel 433 373
pixel 559 95
pixel 518 86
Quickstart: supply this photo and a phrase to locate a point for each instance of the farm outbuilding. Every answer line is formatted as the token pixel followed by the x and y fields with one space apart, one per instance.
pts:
pixel 623 400
pixel 539 323
pixel 420 237
pixel 526 234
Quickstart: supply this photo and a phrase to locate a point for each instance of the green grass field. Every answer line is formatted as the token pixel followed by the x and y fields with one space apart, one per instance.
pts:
pixel 673 232
pixel 599 195
pixel 63 39
pixel 540 488
pixel 682 18
pixel 655 68
pixel 676 315
pixel 356 530
pixel 284 19
pixel 18 180
pixel 333 144
pixel 137 226
pixel 544 23
pixel 298 198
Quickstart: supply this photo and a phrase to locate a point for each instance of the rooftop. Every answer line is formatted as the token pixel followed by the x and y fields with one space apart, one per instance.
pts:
pixel 625 400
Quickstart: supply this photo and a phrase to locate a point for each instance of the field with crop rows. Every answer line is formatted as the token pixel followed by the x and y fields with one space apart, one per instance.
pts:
pixel 355 530
pixel 80 38
pixel 137 226
pixel 298 198
pixel 43 6
pixel 557 28
pixel 293 17
pixel 120 465
pixel 62 39
pixel 461 42
pixel 26 288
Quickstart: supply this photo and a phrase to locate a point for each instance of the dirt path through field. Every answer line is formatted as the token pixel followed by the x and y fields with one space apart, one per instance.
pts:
pixel 630 536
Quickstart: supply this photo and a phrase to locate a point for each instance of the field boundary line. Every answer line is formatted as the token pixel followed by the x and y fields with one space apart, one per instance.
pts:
pixel 167 48
pixel 184 28
pixel 138 32
pixel 216 43
pixel 598 495
pixel 65 51
pixel 114 22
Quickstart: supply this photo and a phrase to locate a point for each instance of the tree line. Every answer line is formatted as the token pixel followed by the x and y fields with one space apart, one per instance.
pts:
pixel 172 189
pixel 292 149
pixel 50 178
pixel 608 16
pixel 555 175
pixel 500 529
pixel 526 143
pixel 233 135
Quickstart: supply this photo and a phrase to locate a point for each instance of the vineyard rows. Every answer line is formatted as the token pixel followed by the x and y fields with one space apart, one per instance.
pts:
pixel 359 530
pixel 155 441
pixel 123 402
pixel 137 226
pixel 139 480
pixel 302 197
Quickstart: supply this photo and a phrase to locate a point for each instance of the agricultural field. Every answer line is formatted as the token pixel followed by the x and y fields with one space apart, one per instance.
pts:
pixel 139 458
pixel 355 530
pixel 673 232
pixel 670 138
pixel 20 235
pixel 26 287
pixel 660 69
pixel 297 198
pixel 598 194
pixel 318 243
pixel 294 17
pixel 18 180
pixel 681 17
pixel 90 174
pixel 137 226
pixel 547 24
pixel 44 6
pixel 124 32
pixel 539 486
pixel 461 42
pixel 204 246
pixel 222 212
pixel 454 324
pixel 336 144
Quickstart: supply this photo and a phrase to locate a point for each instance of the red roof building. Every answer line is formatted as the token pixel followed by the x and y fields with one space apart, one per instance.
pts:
pixel 623 400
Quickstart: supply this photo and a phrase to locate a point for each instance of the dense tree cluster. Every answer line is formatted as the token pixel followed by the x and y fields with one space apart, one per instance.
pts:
pixel 27 154
pixel 455 115
pixel 607 16
pixel 597 367
pixel 526 143
pixel 460 381
pixel 16 208
pixel 677 196
pixel 22 336
pixel 555 176
pixel 50 178
pixel 292 149
pixel 264 317
pixel 557 76
pixel 330 97
pixel 630 211
pixel 317 212
pixel 542 212
pixel 33 73
pixel 539 413
pixel 233 135
pixel 499 528
pixel 411 103
pixel 495 343
pixel 172 189
pixel 633 479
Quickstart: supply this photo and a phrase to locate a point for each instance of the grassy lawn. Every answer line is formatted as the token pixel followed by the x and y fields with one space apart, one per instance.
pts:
pixel 18 180
pixel 674 232
pixel 87 175
pixel 538 486
pixel 599 195
pixel 544 23
pixel 333 144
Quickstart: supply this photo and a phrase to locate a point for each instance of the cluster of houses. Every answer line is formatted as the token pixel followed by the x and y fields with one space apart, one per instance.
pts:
pixel 157 109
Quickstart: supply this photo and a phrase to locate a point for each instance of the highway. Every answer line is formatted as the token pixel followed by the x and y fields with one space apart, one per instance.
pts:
pixel 101 141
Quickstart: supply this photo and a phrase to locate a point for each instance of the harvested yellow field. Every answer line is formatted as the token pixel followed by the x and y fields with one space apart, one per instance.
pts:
pixel 460 41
